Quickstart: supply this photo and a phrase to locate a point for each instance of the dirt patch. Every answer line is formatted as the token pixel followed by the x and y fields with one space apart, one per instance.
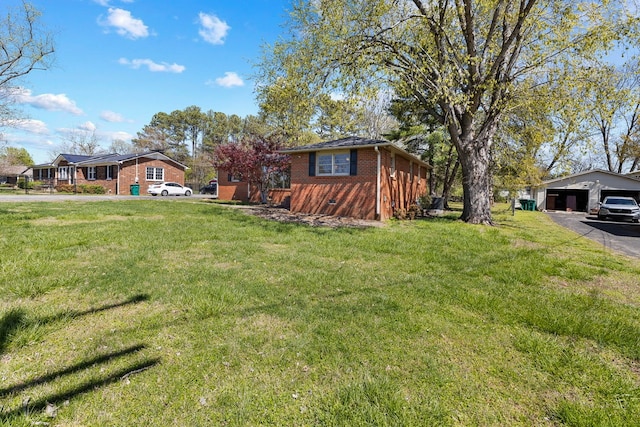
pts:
pixel 314 220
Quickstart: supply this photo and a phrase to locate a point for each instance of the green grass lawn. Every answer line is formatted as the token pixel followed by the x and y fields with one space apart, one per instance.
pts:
pixel 186 313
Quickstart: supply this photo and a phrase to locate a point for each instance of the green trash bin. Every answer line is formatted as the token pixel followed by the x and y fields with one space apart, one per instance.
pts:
pixel 135 189
pixel 528 205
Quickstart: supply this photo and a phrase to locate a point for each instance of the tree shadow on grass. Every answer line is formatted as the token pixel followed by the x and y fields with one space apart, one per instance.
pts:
pixel 70 370
pixel 75 313
pixel 59 398
pixel 16 319
pixel 9 324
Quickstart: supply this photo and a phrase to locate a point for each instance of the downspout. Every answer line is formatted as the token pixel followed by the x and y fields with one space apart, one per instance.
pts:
pixel 378 183
pixel 118 181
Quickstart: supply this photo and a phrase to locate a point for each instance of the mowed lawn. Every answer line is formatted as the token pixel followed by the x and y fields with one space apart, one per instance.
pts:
pixel 184 313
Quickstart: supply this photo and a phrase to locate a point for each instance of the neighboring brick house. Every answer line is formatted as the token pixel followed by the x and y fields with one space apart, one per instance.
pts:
pixel 115 172
pixel 355 177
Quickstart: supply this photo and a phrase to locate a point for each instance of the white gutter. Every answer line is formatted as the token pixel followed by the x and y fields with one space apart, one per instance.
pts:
pixel 118 182
pixel 378 183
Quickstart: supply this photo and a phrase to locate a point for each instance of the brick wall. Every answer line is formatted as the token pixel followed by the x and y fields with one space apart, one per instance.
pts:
pixel 349 196
pixel 229 190
pixel 355 196
pixel 129 171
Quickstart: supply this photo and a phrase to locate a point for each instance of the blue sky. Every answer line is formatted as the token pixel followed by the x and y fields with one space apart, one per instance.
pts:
pixel 118 62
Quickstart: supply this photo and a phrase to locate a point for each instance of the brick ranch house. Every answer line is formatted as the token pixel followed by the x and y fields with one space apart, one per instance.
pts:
pixel 115 172
pixel 350 177
pixel 355 177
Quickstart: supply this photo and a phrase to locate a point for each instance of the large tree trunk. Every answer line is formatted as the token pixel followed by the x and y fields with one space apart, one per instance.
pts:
pixel 475 160
pixel 476 184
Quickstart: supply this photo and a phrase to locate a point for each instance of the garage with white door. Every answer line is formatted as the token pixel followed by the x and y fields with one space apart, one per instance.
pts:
pixel 583 191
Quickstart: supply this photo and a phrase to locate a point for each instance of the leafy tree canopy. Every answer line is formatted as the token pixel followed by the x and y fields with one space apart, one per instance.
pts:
pixel 15 156
pixel 467 63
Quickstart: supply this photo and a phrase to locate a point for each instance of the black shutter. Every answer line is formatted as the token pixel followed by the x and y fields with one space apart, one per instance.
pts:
pixel 353 162
pixel 312 163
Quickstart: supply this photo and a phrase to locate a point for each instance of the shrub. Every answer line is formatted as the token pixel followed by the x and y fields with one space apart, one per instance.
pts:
pixel 65 188
pixel 29 184
pixel 91 189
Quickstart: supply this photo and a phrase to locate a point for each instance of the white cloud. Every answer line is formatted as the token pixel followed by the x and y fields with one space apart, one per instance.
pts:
pixel 153 66
pixel 125 24
pixel 111 117
pixel 30 125
pixel 107 3
pixel 117 135
pixel 212 30
pixel 87 126
pixel 48 101
pixel 230 79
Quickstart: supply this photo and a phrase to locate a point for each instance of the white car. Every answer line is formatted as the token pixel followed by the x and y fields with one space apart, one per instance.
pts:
pixel 169 189
pixel 616 207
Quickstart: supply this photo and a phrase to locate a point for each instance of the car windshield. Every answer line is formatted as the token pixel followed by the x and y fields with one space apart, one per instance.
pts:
pixel 626 202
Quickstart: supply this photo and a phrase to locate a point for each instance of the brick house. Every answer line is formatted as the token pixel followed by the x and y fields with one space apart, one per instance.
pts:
pixel 115 172
pixel 355 177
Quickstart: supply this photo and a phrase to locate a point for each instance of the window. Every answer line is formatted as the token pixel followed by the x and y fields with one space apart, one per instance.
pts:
pixel 155 174
pixel 333 164
pixel 234 178
pixel 393 165
pixel 280 180
pixel 63 172
pixel 109 173
pixel 91 173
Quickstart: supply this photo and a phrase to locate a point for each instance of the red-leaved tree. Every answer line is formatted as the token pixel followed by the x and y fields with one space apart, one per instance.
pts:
pixel 255 158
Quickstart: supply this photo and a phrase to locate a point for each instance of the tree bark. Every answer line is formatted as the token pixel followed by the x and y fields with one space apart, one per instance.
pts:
pixel 476 183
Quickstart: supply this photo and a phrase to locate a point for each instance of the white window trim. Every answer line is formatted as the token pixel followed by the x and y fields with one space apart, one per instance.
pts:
pixel 92 173
pixel 155 174
pixel 333 163
pixel 63 173
pixel 108 173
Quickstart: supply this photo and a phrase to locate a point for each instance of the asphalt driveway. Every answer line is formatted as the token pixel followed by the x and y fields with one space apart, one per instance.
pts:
pixel 622 237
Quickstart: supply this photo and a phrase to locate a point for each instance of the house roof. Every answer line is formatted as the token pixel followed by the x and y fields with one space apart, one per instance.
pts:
pixel 353 142
pixel 13 170
pixel 589 172
pixel 107 159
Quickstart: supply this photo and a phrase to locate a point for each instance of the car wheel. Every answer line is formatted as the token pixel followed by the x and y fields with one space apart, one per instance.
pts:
pixel 187 193
pixel 164 193
pixel 601 217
